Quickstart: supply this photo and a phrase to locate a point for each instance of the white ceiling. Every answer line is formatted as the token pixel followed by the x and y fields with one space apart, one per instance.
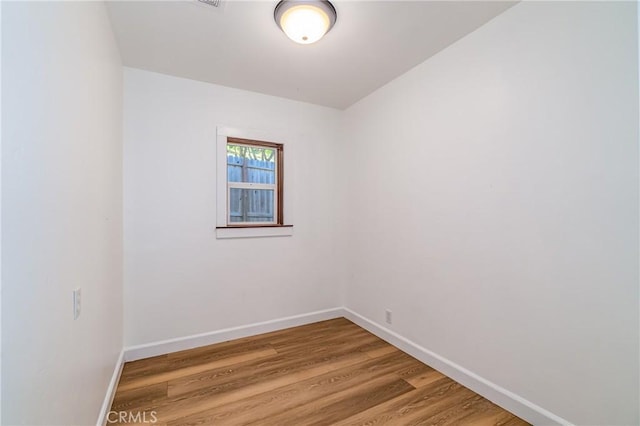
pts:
pixel 239 45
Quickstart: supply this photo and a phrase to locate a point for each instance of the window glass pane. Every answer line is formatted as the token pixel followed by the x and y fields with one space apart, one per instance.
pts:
pixel 251 205
pixel 251 164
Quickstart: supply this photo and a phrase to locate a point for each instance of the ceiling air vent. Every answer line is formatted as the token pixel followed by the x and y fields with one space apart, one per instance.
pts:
pixel 214 3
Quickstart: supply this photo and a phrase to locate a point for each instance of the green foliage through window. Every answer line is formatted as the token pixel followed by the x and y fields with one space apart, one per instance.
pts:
pixel 251 152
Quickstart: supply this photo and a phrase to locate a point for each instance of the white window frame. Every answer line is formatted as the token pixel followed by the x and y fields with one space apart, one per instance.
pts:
pixel 224 228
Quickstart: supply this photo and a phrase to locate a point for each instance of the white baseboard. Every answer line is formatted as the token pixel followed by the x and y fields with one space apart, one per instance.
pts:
pixel 506 399
pixel 148 350
pixel 111 391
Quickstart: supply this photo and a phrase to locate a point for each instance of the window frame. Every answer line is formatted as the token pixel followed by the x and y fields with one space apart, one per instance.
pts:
pixel 278 187
pixel 221 228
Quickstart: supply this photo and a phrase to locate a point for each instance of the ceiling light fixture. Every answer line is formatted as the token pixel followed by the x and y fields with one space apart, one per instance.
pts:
pixel 305 22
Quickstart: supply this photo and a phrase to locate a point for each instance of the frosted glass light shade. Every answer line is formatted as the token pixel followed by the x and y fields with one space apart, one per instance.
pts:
pixel 305 22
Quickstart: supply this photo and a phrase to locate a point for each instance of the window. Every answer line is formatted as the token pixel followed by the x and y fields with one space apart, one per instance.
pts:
pixel 254 183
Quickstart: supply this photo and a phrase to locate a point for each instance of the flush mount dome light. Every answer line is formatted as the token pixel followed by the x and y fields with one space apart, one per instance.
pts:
pixel 305 22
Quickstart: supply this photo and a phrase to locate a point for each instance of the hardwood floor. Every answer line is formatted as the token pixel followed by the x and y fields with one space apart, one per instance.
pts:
pixel 328 373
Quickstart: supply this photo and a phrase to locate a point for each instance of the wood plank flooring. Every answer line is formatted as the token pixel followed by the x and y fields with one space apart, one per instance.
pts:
pixel 328 373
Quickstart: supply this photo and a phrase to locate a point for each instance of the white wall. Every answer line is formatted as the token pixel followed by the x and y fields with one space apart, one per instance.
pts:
pixel 494 206
pixel 0 213
pixel 179 279
pixel 62 211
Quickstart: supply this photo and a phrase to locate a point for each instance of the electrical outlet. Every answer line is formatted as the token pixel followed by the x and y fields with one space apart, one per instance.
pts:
pixel 388 316
pixel 77 302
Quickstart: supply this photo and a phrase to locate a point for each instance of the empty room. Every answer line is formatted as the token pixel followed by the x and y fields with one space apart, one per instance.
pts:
pixel 312 212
